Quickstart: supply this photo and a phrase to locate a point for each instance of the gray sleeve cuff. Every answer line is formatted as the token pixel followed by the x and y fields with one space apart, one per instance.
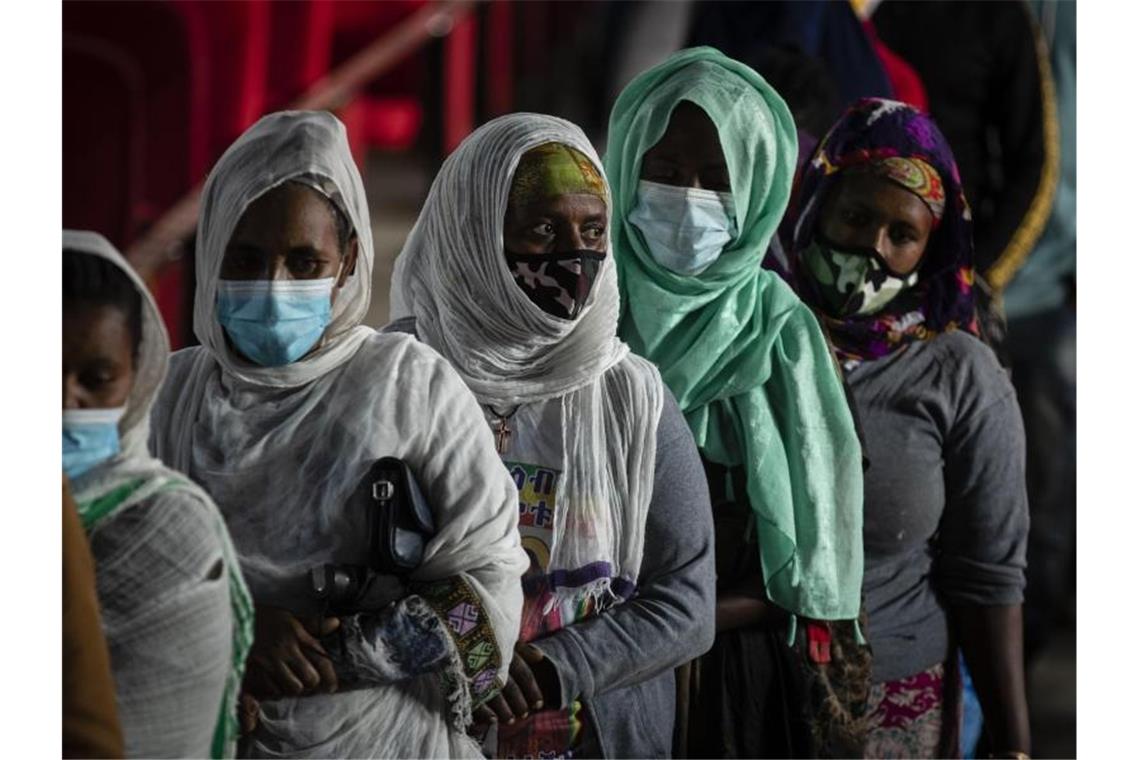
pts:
pixel 565 653
pixel 965 581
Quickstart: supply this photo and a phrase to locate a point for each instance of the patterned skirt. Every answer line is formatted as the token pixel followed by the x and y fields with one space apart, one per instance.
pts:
pixel 915 717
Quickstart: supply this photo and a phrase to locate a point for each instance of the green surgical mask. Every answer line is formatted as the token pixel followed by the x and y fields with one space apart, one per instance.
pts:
pixel 853 281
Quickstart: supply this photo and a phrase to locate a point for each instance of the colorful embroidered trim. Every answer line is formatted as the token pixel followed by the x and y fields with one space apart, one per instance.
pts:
pixel 459 607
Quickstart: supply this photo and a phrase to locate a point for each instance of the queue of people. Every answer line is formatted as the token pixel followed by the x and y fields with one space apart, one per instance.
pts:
pixel 658 501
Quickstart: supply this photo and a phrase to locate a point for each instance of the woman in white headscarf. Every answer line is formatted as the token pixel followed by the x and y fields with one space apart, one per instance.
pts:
pixel 507 274
pixel 176 613
pixel 281 411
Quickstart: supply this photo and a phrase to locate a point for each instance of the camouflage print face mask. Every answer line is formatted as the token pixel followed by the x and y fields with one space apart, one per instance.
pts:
pixel 853 281
pixel 557 283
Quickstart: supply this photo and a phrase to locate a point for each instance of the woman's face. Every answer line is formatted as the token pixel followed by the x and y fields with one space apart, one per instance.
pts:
pixel 689 153
pixel 289 233
pixel 866 211
pixel 98 356
pixel 558 224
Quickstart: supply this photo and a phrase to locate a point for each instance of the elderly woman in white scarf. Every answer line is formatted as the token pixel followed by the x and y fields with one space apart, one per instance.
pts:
pixel 280 413
pixel 507 274
pixel 175 610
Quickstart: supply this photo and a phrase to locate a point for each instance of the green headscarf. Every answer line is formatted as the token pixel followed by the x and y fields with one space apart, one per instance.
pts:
pixel 744 357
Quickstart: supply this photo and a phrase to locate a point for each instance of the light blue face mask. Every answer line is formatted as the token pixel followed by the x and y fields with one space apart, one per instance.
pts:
pixel 686 228
pixel 275 322
pixel 90 436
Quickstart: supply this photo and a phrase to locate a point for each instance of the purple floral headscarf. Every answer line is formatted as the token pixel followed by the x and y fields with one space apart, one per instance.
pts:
pixel 874 129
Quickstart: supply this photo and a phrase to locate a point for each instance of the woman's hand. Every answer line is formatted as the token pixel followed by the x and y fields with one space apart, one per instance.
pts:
pixel 249 713
pixel 286 659
pixel 532 685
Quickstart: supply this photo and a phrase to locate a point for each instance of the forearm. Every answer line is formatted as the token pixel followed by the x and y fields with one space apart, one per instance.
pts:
pixel 626 645
pixel 738 611
pixel 991 640
pixel 746 606
pixel 671 618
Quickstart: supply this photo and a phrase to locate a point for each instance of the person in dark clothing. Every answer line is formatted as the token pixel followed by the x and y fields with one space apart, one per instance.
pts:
pixel 813 98
pixel 830 32
pixel 983 71
pixel 806 85
pixel 1041 306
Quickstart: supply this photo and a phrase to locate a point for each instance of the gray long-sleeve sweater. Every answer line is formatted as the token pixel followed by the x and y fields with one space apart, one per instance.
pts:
pixel 946 513
pixel 620 663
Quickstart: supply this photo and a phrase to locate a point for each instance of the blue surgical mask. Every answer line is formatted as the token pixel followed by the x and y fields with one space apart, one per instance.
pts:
pixel 275 322
pixel 686 228
pixel 90 436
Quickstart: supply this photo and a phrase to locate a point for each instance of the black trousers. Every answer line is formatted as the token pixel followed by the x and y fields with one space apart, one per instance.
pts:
pixel 748 699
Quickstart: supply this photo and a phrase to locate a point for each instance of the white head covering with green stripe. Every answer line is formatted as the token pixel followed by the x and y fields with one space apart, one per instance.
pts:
pixel 134 475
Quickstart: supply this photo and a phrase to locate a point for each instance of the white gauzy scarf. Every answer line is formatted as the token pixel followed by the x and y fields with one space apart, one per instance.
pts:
pixel 453 278
pixel 281 449
pixel 290 145
pixel 139 476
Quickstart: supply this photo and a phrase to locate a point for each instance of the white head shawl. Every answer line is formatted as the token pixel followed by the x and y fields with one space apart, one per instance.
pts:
pixel 134 466
pixel 154 349
pixel 453 278
pixel 284 146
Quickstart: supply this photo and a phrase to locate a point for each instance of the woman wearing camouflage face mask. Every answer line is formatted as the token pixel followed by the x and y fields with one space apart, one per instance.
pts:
pixel 508 275
pixel 883 251
pixel 555 228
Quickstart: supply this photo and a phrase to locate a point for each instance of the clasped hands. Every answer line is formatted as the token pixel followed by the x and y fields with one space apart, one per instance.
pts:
pixel 288 660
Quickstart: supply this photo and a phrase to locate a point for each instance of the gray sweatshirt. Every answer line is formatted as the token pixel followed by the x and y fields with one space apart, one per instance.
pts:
pixel 945 511
pixel 620 663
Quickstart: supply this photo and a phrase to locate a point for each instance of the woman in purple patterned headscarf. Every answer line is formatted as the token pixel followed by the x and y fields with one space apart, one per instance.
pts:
pixel 892 140
pixel 881 248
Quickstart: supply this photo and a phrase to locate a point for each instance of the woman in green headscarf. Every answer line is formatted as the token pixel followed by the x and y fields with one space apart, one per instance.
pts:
pixel 701 156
